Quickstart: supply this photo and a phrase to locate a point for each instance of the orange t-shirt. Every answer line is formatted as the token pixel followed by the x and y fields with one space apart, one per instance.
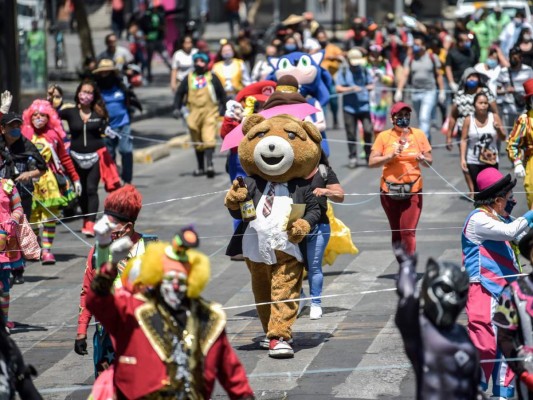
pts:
pixel 404 168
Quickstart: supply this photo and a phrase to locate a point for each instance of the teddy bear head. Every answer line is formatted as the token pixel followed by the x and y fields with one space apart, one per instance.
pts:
pixel 279 148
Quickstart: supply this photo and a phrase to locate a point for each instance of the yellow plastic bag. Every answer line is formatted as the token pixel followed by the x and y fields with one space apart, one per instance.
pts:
pixel 340 241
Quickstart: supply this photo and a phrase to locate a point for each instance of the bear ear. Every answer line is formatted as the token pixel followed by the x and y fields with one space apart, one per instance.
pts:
pixel 312 131
pixel 251 121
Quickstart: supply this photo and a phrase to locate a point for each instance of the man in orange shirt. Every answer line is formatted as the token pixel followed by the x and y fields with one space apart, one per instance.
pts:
pixel 400 151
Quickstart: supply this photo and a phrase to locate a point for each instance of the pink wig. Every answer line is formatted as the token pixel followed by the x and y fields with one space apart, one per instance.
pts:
pixel 43 107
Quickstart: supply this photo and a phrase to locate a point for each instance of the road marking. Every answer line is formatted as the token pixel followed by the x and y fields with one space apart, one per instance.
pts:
pixel 368 265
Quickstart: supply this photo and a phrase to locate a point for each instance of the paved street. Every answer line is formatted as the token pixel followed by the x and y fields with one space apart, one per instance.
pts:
pixel 353 352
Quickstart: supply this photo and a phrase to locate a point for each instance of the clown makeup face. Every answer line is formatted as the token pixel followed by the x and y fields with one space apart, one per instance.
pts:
pixel 173 288
pixel 121 228
pixel 39 120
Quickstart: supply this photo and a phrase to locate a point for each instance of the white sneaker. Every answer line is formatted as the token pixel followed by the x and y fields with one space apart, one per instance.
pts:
pixel 279 348
pixel 315 312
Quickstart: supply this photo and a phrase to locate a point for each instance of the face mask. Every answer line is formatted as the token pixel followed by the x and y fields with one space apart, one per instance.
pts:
pixel 323 44
pixel 56 102
pixel 403 122
pixel 517 22
pixel 106 82
pixel 173 289
pixel 492 63
pixel 471 84
pixel 417 49
pixel 15 133
pixel 227 56
pixel 199 70
pixel 467 45
pixel 509 205
pixel 118 234
pixel 39 122
pixel 290 47
pixel 85 98
pixel 514 62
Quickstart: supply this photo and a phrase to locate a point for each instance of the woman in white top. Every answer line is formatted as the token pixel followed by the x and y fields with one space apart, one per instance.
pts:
pixel 492 67
pixel 481 131
pixel 182 62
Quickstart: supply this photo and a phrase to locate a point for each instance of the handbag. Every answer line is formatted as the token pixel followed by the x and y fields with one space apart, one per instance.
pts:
pixel 340 240
pixel 400 191
pixel 488 156
pixel 27 240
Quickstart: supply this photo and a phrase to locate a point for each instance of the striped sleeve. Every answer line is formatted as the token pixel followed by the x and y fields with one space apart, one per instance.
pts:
pixel 16 206
pixel 517 138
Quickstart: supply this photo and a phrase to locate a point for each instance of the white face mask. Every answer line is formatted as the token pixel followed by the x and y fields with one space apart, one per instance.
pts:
pixel 173 288
pixel 39 122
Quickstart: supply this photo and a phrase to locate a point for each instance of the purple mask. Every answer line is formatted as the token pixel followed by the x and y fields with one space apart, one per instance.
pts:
pixel 85 98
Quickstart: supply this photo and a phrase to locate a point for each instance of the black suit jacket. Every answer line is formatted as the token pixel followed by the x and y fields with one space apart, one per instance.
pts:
pixel 300 192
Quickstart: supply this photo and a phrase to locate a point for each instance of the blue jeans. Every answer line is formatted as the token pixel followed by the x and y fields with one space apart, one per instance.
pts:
pixel 424 103
pixel 317 241
pixel 235 170
pixel 124 144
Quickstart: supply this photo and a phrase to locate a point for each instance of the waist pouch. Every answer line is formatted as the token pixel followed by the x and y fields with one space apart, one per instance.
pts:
pixel 85 160
pixel 400 191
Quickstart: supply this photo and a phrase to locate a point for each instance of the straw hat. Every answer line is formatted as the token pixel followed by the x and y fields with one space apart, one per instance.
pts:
pixel 105 65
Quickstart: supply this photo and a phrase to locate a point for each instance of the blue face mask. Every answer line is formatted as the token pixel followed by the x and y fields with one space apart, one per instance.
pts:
pixel 467 45
pixel 290 47
pixel 492 63
pixel 403 122
pixel 510 205
pixel 417 49
pixel 15 133
pixel 471 84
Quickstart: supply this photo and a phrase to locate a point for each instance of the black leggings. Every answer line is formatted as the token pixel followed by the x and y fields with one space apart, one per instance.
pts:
pixel 475 169
pixel 89 178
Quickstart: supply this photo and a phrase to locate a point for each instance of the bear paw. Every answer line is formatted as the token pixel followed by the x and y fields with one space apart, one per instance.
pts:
pixel 298 230
pixel 235 196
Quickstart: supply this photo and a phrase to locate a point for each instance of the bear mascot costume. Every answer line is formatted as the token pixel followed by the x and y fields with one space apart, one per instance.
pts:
pixel 277 154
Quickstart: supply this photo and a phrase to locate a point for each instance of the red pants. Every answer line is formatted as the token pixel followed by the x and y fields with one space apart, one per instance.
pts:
pixel 480 308
pixel 403 216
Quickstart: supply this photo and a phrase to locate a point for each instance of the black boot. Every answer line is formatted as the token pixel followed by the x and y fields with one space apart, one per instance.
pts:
pixel 18 276
pixel 209 162
pixel 200 160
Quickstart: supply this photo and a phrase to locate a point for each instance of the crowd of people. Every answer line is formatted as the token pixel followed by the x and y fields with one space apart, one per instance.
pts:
pixel 268 103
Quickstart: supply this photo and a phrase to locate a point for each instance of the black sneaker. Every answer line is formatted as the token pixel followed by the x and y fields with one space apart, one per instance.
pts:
pixel 18 278
pixel 210 172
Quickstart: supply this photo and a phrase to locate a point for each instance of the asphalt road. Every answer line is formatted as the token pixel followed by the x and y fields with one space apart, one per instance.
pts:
pixel 353 352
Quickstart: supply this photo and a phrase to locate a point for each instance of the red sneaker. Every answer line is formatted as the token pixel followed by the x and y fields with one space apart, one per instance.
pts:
pixel 88 228
pixel 279 348
pixel 47 258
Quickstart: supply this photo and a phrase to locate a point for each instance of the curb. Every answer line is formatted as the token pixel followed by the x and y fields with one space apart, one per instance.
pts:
pixel 150 154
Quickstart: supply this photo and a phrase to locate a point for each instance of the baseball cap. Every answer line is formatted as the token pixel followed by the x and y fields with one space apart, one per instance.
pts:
pixel 10 117
pixel 397 107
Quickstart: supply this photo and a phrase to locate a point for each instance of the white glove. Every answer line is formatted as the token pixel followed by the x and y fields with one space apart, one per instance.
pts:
pixel 519 170
pixel 398 96
pixel 102 230
pixel 110 133
pixel 120 249
pixel 442 96
pixel 234 110
pixel 454 86
pixel 77 187
pixel 378 73
pixel 6 100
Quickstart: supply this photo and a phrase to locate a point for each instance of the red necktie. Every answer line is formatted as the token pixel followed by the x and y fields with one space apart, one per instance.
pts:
pixel 267 208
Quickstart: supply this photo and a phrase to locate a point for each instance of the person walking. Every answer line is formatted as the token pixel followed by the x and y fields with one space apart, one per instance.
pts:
pixel 460 57
pixel 400 151
pixel 22 163
pixel 325 186
pixel 480 134
pixel 117 99
pixel 510 87
pixel 354 82
pixel 41 123
pixel 204 95
pixel 153 25
pixel 519 145
pixel 230 70
pixel 87 123
pixel 491 262
pixel 120 55
pixel 421 74
pixel 381 96
pixel 182 63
